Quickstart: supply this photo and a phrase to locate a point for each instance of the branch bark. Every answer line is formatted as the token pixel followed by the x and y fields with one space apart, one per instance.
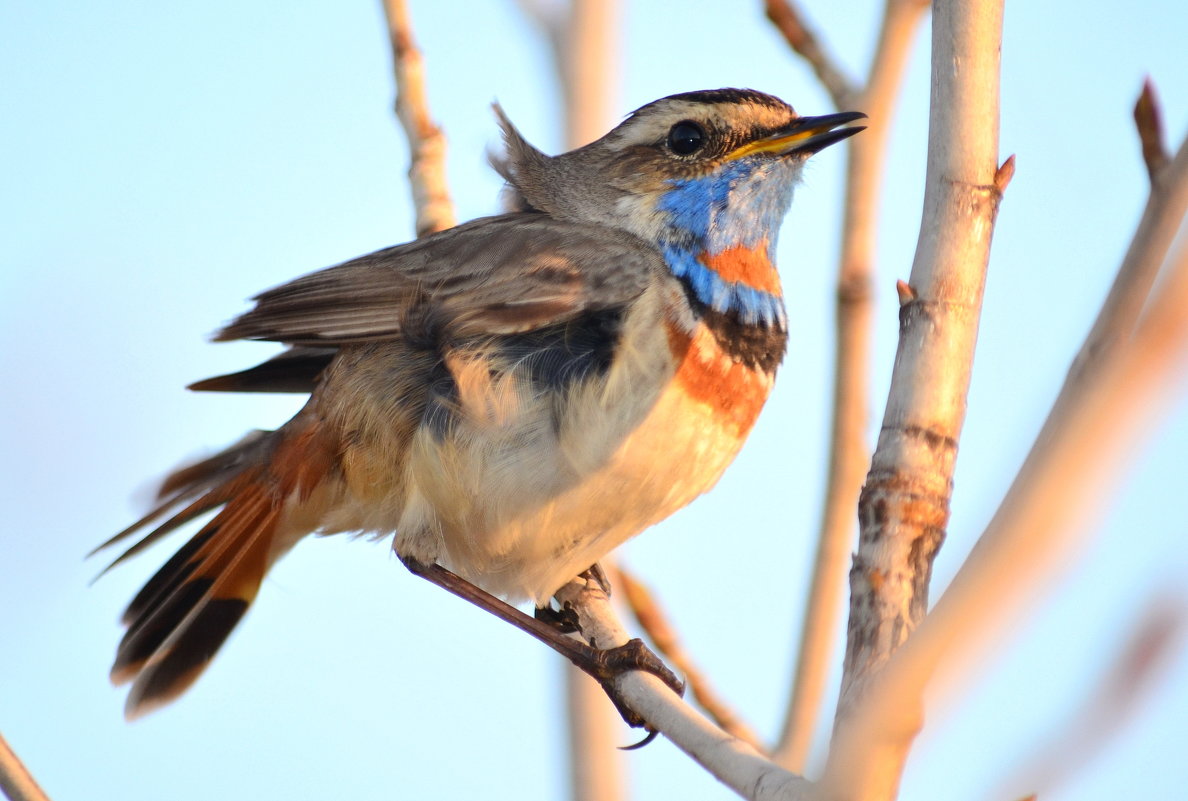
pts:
pixel 16 781
pixel 426 142
pixel 1037 531
pixel 652 620
pixel 904 506
pixel 849 455
pixel 1107 403
pixel 790 22
pixel 729 759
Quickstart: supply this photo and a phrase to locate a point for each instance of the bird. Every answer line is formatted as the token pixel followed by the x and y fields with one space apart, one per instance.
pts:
pixel 509 399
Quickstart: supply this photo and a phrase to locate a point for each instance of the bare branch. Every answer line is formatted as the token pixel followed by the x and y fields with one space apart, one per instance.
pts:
pixel 730 760
pixel 1103 714
pixel 15 780
pixel 904 506
pixel 595 763
pixel 589 73
pixel 849 455
pixel 790 23
pixel 1162 215
pixel 582 39
pixel 426 142
pixel 654 622
pixel 1100 417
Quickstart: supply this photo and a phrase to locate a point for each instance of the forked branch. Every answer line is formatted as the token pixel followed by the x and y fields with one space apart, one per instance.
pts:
pixel 1108 402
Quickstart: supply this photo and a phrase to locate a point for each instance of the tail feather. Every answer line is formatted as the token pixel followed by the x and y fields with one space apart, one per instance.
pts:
pixel 185 612
pixel 171 641
pixel 199 479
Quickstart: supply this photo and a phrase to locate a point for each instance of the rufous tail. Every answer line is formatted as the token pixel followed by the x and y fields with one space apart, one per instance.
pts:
pixel 180 618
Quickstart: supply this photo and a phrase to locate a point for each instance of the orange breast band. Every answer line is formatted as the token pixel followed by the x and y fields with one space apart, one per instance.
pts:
pixel 744 265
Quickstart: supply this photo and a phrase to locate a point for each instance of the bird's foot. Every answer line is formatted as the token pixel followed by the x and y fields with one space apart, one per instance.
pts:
pixel 563 620
pixel 604 666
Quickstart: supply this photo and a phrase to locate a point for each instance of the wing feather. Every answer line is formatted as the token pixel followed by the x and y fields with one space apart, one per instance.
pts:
pixel 497 275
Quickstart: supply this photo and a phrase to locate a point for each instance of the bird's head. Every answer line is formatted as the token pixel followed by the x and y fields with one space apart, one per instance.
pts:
pixel 704 170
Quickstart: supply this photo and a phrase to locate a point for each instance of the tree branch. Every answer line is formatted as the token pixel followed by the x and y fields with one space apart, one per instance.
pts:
pixel 1166 206
pixel 1107 403
pixel 426 142
pixel 849 455
pixel 1106 707
pixel 16 781
pixel 652 620
pixel 1038 529
pixel 790 22
pixel 729 759
pixel 904 506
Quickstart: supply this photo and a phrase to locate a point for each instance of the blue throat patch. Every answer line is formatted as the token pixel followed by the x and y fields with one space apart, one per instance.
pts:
pixel 740 205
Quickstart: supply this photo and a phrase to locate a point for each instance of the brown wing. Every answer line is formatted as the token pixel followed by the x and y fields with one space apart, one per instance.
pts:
pixel 496 275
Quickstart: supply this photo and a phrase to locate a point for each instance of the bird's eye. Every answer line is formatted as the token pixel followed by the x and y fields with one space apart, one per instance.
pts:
pixel 686 138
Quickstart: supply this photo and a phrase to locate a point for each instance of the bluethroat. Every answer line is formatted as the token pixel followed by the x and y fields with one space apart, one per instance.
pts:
pixel 511 398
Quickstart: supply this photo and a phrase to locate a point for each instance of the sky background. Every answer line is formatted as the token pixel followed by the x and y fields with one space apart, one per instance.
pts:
pixel 163 162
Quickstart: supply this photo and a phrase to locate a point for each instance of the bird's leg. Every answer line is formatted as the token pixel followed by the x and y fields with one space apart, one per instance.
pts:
pixel 601 665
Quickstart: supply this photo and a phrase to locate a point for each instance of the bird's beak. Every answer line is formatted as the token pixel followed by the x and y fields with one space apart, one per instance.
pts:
pixel 805 135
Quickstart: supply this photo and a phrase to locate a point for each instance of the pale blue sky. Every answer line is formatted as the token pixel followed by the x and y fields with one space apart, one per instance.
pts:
pixel 162 163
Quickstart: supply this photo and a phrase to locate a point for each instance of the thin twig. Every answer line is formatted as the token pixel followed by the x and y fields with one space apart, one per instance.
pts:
pixel 849 455
pixel 16 781
pixel 1166 206
pixel 651 618
pixel 790 22
pixel 1106 708
pixel 426 142
pixel 729 759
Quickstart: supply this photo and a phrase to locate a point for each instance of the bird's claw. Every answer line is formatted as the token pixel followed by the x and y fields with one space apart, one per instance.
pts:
pixel 607 665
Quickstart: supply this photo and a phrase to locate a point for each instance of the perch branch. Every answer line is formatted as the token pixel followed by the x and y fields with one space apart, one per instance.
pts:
pixel 426 142
pixel 849 455
pixel 653 621
pixel 730 760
